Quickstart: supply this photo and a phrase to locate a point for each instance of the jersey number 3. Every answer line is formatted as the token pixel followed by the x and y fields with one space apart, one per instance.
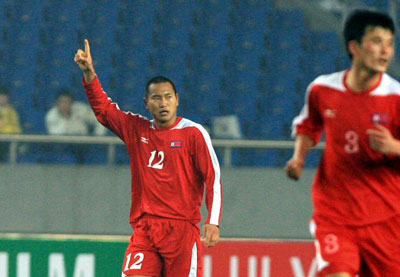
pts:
pixel 156 164
pixel 352 145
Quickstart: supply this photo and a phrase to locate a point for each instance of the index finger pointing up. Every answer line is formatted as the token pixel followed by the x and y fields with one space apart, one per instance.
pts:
pixel 87 47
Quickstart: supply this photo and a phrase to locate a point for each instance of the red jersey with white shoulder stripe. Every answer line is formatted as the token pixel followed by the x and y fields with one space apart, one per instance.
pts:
pixel 170 167
pixel 354 184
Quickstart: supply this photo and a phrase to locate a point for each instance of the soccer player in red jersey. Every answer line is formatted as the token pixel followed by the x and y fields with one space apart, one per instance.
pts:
pixel 356 190
pixel 172 162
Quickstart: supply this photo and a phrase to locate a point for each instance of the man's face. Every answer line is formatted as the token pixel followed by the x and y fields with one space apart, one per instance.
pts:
pixel 376 49
pixel 162 103
pixel 3 99
pixel 64 104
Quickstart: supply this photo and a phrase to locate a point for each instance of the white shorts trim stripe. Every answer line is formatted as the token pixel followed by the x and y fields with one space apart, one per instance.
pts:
pixel 321 263
pixel 193 263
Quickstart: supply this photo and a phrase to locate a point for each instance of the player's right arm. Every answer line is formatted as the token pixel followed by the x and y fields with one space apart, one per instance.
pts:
pixel 294 167
pixel 85 63
pixel 106 112
pixel 307 128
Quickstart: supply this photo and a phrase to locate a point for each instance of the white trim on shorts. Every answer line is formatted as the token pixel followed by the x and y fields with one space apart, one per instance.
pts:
pixel 321 263
pixel 193 263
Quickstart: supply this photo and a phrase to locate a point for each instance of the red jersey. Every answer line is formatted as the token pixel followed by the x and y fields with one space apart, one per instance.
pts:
pixel 170 167
pixel 354 184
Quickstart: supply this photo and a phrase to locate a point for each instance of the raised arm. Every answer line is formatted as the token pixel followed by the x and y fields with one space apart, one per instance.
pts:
pixel 85 62
pixel 106 111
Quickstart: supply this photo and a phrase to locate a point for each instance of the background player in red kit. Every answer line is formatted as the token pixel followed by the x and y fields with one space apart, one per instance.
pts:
pixel 356 191
pixel 172 160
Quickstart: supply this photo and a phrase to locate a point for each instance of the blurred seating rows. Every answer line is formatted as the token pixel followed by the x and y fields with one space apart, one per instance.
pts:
pixel 241 57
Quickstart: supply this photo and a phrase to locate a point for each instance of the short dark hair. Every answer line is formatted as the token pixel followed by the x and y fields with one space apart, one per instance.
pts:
pixel 359 20
pixel 65 92
pixel 4 91
pixel 158 80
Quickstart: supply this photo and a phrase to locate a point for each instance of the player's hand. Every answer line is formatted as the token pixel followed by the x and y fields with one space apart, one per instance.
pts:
pixel 294 168
pixel 382 140
pixel 210 235
pixel 84 59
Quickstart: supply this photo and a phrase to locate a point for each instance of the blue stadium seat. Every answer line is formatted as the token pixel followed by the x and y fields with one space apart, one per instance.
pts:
pixel 98 24
pixel 202 91
pixel 134 32
pixel 204 41
pixel 171 36
pixel 247 42
pixel 212 14
pixel 244 57
pixel 205 62
pixel 33 120
pixel 382 5
pixel 287 43
pixel 328 47
pixel 286 19
pixel 127 89
pixel 249 14
pixel 20 33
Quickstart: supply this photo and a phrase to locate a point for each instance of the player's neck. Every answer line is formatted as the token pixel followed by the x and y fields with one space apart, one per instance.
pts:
pixel 360 80
pixel 166 124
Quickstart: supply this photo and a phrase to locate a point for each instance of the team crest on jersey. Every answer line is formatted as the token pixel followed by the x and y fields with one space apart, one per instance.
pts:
pixel 144 140
pixel 176 144
pixel 330 113
pixel 380 118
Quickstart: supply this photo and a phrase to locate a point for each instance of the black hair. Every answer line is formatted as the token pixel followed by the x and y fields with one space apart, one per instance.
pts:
pixel 359 20
pixel 4 91
pixel 65 92
pixel 158 80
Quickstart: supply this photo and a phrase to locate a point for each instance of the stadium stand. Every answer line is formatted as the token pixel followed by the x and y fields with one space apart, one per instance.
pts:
pixel 253 58
pixel 204 60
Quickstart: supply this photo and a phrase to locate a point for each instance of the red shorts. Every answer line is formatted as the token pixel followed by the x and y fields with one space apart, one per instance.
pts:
pixel 163 247
pixel 371 250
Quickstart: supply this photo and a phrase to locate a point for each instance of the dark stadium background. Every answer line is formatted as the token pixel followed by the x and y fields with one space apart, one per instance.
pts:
pixel 250 58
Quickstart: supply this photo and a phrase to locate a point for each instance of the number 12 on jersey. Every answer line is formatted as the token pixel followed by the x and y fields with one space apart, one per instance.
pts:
pixel 137 263
pixel 160 158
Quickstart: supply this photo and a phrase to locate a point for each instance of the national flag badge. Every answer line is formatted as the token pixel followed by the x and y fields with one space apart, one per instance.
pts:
pixel 176 144
pixel 380 118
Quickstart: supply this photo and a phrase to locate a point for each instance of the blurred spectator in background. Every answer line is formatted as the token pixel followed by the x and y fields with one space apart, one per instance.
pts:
pixel 9 122
pixel 69 117
pixel 336 6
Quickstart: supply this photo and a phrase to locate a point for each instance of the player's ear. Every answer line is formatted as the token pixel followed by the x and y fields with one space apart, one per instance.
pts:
pixel 354 47
pixel 145 102
pixel 177 99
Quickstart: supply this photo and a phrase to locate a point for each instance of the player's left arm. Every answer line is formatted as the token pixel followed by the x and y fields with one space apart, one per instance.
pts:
pixel 208 165
pixel 382 140
pixel 210 235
